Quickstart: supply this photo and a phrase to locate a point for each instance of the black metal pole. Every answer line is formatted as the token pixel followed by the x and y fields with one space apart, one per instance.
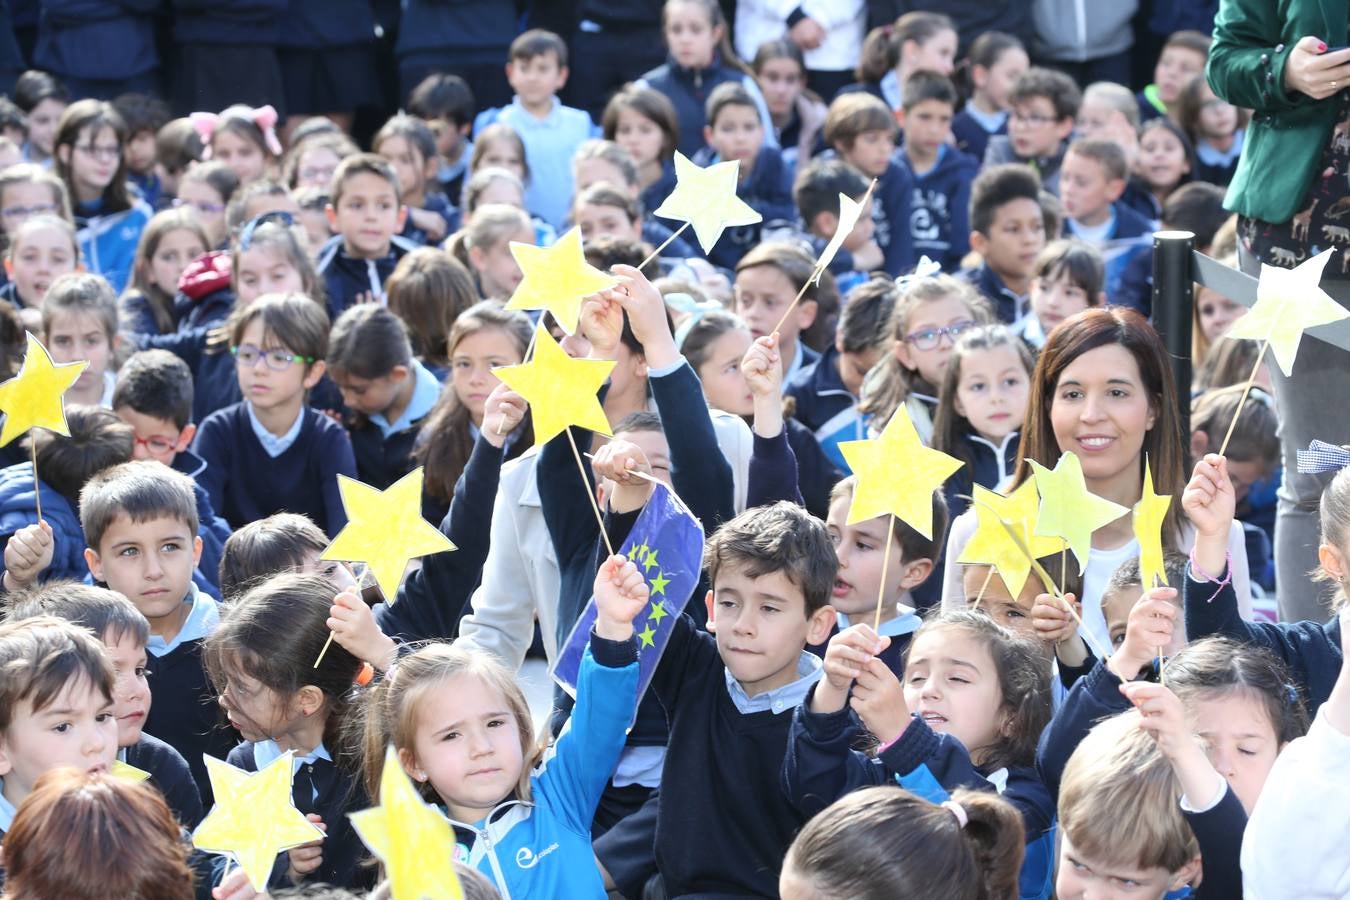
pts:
pixel 1173 302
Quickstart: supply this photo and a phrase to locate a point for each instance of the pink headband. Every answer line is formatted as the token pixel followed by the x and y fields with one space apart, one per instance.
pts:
pixel 265 117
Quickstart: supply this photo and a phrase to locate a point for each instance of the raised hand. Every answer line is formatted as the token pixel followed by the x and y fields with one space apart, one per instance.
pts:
pixel 27 553
pixel 848 653
pixel 354 627
pixel 621 593
pixel 879 700
pixel 1149 628
pixel 503 411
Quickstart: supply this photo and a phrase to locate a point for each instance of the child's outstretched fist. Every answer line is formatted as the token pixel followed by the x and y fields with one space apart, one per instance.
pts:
pixel 355 629
pixel 1209 500
pixel 1051 619
pixel 1148 631
pixel 503 411
pixel 28 552
pixel 621 593
pixel 762 367
pixel 847 655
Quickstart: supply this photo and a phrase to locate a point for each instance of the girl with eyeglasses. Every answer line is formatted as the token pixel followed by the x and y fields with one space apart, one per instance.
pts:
pixel 931 312
pixel 110 217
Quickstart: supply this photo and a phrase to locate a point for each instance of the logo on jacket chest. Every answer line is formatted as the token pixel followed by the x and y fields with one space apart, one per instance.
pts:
pixel 526 858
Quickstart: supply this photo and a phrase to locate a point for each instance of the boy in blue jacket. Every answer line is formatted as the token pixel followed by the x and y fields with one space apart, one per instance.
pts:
pixel 816 192
pixel 942 174
pixel 367 214
pixel 860 129
pixel 1007 229
pixel 734 131
pixel 1092 178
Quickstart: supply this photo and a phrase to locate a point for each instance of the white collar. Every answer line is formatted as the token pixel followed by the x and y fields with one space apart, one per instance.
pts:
pixel 274 446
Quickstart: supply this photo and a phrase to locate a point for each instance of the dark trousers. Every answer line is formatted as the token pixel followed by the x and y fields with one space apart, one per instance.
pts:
pixel 826 83
pixel 484 72
pixel 1108 68
pixel 604 61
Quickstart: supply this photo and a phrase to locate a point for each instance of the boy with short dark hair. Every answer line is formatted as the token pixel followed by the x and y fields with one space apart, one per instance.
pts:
pixel 124 631
pixel 177 146
pixel 1092 178
pixel 55 706
pixel 1007 229
pixel 816 193
pixel 735 132
pixel 144 117
pixel 860 129
pixel 550 131
pixel 366 214
pixel 826 391
pixel 1044 103
pixel 141 522
pixel 1183 57
pixel 446 104
pixel 942 174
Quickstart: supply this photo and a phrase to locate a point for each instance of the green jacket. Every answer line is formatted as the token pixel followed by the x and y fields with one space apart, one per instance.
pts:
pixel 1288 132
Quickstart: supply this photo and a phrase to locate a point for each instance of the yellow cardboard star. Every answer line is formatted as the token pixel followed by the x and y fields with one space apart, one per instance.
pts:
pixel 557 279
pixel 561 391
pixel 990 544
pixel 849 211
pixel 1068 509
pixel 1149 515
pixel 254 818
pixel 32 398
pixel 413 840
pixel 897 474
pixel 385 529
pixel 127 772
pixel 706 199
pixel 1288 302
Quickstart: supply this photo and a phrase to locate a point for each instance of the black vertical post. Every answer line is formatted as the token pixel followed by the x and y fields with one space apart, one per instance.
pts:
pixel 1173 300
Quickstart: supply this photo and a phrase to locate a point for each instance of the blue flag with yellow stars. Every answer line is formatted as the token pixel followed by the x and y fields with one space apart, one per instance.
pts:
pixel 666 544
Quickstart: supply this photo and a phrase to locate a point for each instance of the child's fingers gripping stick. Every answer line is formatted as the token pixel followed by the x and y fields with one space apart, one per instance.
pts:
pixel 355 629
pixel 28 552
pixel 618 460
pixel 1208 499
pixel 1051 619
pixel 1152 621
pixel 505 409
pixel 621 593
pixel 1161 715
pixel 761 366
pixel 848 652
pixel 879 700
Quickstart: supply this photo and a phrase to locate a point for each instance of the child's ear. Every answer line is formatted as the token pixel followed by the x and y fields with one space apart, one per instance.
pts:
pixel 5 766
pixel 824 223
pixel 185 437
pixel 1185 875
pixel 315 373
pixel 95 564
pixel 402 218
pixel 476 258
pixel 330 213
pixel 900 117
pixel 821 623
pixel 712 612
pixel 1328 557
pixel 1114 188
pixel 978 242
pixel 1064 127
pixel 399 373
pixel 1199 444
pixel 196 550
pixel 916 573
pixel 707 135
pixel 901 350
pixel 806 314
pixel 410 766
pixel 309 699
pixel 562 77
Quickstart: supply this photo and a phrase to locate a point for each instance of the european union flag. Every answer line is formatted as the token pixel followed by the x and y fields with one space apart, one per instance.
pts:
pixel 666 544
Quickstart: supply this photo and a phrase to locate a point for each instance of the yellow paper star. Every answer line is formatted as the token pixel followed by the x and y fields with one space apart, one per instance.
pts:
pixel 385 529
pixel 414 841
pixel 127 772
pixel 990 544
pixel 897 474
pixel 658 612
pixel 849 211
pixel 1149 514
pixel 32 398
pixel 646 636
pixel 561 391
pixel 557 279
pixel 659 583
pixel 254 818
pixel 706 199
pixel 1288 302
pixel 1068 509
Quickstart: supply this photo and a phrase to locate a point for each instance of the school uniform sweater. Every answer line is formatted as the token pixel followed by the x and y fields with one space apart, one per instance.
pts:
pixel 986 465
pixel 791 467
pixel 826 407
pixel 939 218
pixel 246 483
pixel 345 277
pixel 688 90
pixel 892 208
pixel 322 788
pixel 973 129
pixel 1009 306
pixel 654 194
pixel 169 773
pixel 766 190
pixel 211 528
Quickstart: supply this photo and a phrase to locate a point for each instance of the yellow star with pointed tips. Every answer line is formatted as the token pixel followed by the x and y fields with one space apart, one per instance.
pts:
pixel 1149 514
pixel 646 635
pixel 1289 302
pixel 32 398
pixel 990 544
pixel 1068 509
pixel 385 529
pixel 127 772
pixel 658 612
pixel 897 474
pixel 254 818
pixel 659 583
pixel 557 279
pixel 561 390
pixel 706 199
pixel 413 840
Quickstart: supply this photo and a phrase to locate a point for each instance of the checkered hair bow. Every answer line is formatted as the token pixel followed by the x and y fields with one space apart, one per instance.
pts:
pixel 1322 457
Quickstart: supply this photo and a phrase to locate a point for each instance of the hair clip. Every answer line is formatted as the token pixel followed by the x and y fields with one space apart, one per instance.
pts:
pixel 365 676
pixel 957 810
pixel 1322 457
pixel 265 117
pixel 1290 693
pixel 693 311
pixel 280 216
pixel 926 268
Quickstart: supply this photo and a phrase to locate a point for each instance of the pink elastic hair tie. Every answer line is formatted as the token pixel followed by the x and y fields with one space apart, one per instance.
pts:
pixel 265 117
pixel 957 810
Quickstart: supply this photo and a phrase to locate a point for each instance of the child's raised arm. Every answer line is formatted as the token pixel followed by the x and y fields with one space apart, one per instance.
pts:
pixel 773 464
pixel 646 310
pixel 355 629
pixel 1054 624
pixel 1209 502
pixel 847 654
pixel 763 370
pixel 620 595
pixel 27 553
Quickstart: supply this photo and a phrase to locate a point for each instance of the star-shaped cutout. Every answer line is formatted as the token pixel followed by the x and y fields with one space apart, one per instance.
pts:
pixel 990 544
pixel 658 613
pixel 880 487
pixel 706 199
pixel 254 818
pixel 1149 514
pixel 557 279
pixel 1068 509
pixel 649 560
pixel 637 551
pixel 659 583
pixel 646 636
pixel 849 211
pixel 1289 302
pixel 32 398
pixel 413 840
pixel 127 772
pixel 561 391
pixel 385 529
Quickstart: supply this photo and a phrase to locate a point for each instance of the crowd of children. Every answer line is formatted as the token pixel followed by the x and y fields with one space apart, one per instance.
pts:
pixel 844 709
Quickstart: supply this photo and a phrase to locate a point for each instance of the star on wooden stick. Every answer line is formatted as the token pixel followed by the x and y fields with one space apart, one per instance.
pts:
pixel 1068 509
pixel 561 391
pixel 849 212
pixel 706 199
pixel 32 398
pixel 1149 515
pixel 557 279
pixel 1288 303
pixel 991 544
pixel 897 474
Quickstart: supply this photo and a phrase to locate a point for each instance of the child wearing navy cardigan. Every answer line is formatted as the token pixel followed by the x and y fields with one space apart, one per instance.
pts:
pixel 271 452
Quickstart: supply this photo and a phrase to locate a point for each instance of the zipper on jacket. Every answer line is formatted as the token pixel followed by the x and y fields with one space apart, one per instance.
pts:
pixel 496 865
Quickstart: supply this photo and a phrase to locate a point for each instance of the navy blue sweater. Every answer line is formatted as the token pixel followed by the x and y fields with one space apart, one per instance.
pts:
pixel 791 467
pixel 767 191
pixel 236 22
pixel 1006 302
pixel 654 194
pixel 688 90
pixel 315 24
pixel 892 208
pixel 169 773
pixel 245 483
pixel 970 135
pixel 346 277
pixel 109 40
pixel 985 465
pixel 940 217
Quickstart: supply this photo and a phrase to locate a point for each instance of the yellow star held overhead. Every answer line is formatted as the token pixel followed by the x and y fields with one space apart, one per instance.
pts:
pixel 1149 514
pixel 557 279
pixel 385 529
pixel 897 474
pixel 127 772
pixel 413 840
pixel 1289 302
pixel 990 544
pixel 561 391
pixel 1068 509
pixel 706 199
pixel 254 818
pixel 32 398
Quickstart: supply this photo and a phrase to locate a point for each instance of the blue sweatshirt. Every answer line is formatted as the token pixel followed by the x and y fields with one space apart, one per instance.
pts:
pixel 688 90
pixel 346 277
pixel 18 509
pixel 940 214
pixel 892 210
pixel 1008 304
pixel 766 190
pixel 108 241
pixel 985 465
pixel 826 407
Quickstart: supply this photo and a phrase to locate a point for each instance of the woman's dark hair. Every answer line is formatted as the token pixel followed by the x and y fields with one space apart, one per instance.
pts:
pixel 882 843
pixel 1086 331
pixel 87 119
pixel 1216 665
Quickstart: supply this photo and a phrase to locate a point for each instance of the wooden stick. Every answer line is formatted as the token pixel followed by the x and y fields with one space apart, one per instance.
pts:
pixel 590 494
pixel 980 596
pixel 1064 568
pixel 787 312
pixel 1247 389
pixel 885 561
pixel 360 575
pixel 664 244
pixel 643 475
pixel 37 490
